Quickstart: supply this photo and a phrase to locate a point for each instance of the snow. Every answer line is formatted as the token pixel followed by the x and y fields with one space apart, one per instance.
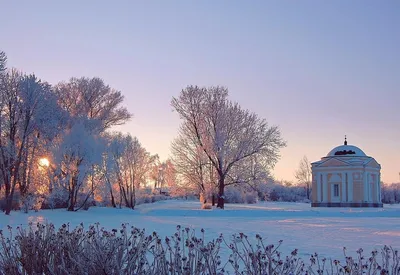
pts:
pixel 322 230
pixel 358 152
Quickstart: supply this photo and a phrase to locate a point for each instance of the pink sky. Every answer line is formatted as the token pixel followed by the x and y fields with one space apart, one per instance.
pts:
pixel 318 70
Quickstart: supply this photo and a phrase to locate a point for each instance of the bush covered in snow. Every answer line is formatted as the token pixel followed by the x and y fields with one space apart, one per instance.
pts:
pixel 150 198
pixel 43 249
pixel 238 195
pixel 391 193
pixel 285 191
pixel 271 191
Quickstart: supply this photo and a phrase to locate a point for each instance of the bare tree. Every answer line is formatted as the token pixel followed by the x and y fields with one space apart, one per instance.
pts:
pixel 226 133
pixel 92 98
pixel 303 175
pixel 78 157
pixel 193 165
pixel 3 61
pixel 132 165
pixel 163 174
pixel 25 104
pixel 96 107
pixel 251 174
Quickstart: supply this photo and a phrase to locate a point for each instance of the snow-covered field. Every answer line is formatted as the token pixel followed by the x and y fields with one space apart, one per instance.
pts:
pixel 322 230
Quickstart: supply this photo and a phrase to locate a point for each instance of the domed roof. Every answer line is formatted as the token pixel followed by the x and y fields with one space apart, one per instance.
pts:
pixel 346 151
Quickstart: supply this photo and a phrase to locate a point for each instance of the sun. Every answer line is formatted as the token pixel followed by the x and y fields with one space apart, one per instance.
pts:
pixel 44 162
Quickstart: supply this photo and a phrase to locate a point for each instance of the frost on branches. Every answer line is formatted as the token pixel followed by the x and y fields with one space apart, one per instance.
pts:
pixel 230 138
pixel 25 127
pixel 78 156
pixel 52 139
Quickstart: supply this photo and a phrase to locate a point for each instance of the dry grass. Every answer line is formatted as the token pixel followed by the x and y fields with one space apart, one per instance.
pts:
pixel 42 249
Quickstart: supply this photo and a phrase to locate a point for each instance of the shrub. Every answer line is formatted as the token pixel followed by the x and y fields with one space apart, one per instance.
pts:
pixel 15 202
pixel 206 206
pixel 391 193
pixel 238 195
pixel 56 199
pixel 31 202
pixel 287 193
pixel 41 249
pixel 149 198
pixel 250 197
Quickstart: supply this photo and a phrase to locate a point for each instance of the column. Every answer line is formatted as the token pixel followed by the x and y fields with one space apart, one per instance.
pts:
pixel 350 183
pixel 318 186
pixel 325 189
pixel 365 185
pixel 378 187
pixel 344 187
pixel 369 187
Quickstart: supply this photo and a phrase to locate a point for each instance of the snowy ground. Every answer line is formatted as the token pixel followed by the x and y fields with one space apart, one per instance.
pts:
pixel 322 230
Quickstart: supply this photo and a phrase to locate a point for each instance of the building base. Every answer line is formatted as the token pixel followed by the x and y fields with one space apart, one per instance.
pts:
pixel 346 204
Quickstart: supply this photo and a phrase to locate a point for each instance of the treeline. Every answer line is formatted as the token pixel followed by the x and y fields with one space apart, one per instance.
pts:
pixel 287 191
pixel 390 193
pixel 57 147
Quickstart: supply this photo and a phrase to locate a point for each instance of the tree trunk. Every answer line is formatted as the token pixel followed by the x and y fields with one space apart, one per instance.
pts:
pixel 12 182
pixel 7 193
pixel 71 205
pixel 112 199
pixel 221 189
pixel 203 198
pixel 72 196
pixel 9 201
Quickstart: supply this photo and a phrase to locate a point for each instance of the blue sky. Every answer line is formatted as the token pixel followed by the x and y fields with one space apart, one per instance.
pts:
pixel 318 69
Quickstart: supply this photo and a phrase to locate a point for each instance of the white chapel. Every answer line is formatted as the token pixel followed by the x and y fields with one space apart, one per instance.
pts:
pixel 346 177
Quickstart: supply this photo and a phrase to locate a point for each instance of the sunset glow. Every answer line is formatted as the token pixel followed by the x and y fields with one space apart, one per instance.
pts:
pixel 44 162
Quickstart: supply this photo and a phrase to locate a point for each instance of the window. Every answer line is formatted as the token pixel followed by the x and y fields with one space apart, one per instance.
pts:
pixel 336 190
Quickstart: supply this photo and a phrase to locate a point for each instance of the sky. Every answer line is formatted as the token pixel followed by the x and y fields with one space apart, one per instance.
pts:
pixel 317 69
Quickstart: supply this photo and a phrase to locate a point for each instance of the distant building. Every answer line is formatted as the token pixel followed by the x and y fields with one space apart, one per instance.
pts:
pixel 346 177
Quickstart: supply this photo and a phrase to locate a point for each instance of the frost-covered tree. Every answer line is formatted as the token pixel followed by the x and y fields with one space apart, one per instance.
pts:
pixel 92 103
pixel 225 132
pixel 132 165
pixel 93 99
pixel 45 123
pixel 303 175
pixel 163 174
pixel 390 192
pixel 26 105
pixel 112 159
pixel 192 165
pixel 11 144
pixel 78 157
pixel 3 61
pixel 251 174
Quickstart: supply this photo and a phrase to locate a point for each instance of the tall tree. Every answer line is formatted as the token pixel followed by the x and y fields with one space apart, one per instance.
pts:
pixel 303 175
pixel 225 132
pixel 163 174
pixel 93 99
pixel 3 61
pixel 78 157
pixel 132 165
pixel 25 105
pixel 94 107
pixel 192 165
